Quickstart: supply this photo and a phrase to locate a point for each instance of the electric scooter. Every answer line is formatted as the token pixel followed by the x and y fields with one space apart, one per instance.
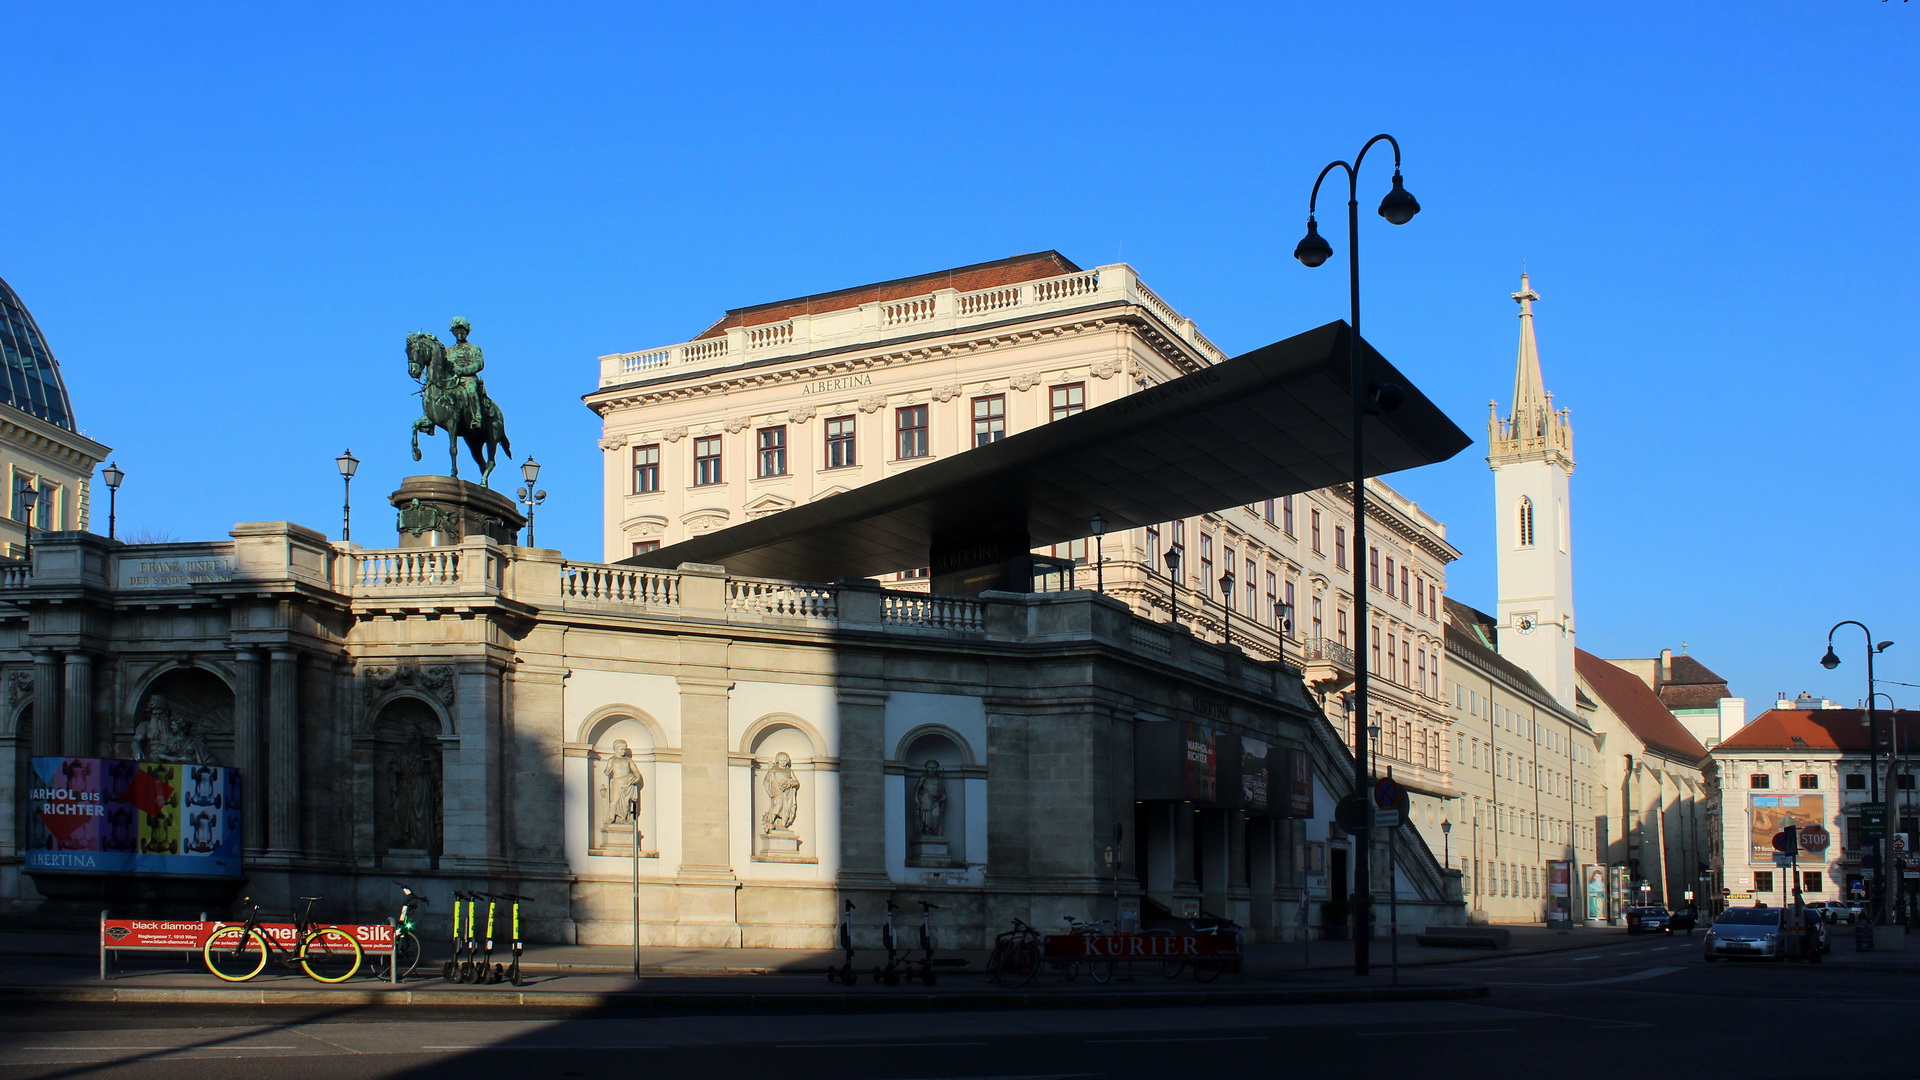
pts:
pixel 483 971
pixel 451 970
pixel 511 973
pixel 890 974
pixel 844 973
pixel 923 968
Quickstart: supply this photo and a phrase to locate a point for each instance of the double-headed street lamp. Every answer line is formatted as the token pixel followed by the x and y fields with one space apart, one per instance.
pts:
pixel 114 475
pixel 1831 661
pixel 529 496
pixel 1398 207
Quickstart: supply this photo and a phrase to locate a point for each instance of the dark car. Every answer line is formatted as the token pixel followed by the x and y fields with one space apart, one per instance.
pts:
pixel 1649 919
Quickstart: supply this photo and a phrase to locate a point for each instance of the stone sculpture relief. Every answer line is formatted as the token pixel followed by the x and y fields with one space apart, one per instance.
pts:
pixel 167 736
pixel 623 783
pixel 413 794
pixel 437 680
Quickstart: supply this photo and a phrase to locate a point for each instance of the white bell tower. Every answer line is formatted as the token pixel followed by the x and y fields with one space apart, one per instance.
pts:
pixel 1531 454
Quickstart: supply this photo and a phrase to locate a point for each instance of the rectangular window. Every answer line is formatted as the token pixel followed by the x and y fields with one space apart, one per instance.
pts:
pixel 641 547
pixel 1073 550
pixel 1253 594
pixel 1406 669
pixel 1813 881
pixel 989 419
pixel 1069 399
pixel 1809 780
pixel 1404 598
pixel 1179 546
pixel 1856 781
pixel 1269 512
pixel 1153 549
pixel 646 469
pixel 773 451
pixel 1420 594
pixel 1273 599
pixel 1206 563
pixel 1433 601
pixel 1390 569
pixel 1340 620
pixel 1763 881
pixel 840 445
pixel 1393 654
pixel 1905 784
pixel 1373 640
pixel 912 575
pixel 1759 780
pixel 706 460
pixel 910 425
pixel 1373 566
pixel 1291 612
pixel 1315 521
pixel 1340 546
pixel 1286 517
pixel 1422 667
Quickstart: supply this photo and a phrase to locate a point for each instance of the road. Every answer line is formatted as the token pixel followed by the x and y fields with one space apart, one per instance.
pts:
pixel 1642 1009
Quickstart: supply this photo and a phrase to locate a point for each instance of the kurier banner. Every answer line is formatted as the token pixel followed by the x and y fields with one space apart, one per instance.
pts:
pixel 1768 814
pixel 107 815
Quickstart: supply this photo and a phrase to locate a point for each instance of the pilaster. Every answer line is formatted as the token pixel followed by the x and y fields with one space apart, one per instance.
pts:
pixel 77 739
pixel 863 754
pixel 247 747
pixel 46 703
pixel 283 748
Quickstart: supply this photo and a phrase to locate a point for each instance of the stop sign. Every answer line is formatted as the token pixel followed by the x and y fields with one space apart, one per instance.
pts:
pixel 1814 838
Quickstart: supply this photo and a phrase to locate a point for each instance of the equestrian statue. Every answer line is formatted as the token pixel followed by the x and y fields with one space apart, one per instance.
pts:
pixel 454 398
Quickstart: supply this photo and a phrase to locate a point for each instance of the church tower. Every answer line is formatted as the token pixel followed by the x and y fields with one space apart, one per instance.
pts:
pixel 1531 454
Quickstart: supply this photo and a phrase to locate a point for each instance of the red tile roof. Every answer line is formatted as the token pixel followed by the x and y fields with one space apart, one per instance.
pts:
pixel 1635 703
pixel 1821 729
pixel 987 275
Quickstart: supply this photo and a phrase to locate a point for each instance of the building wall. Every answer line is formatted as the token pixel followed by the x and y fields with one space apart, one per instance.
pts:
pixel 59 462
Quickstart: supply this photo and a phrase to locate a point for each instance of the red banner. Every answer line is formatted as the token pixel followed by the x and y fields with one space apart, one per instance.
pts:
pixel 1142 946
pixel 160 934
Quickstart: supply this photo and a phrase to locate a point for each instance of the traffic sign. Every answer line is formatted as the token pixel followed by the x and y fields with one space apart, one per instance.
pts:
pixel 1786 839
pixel 1782 858
pixel 1725 891
pixel 1902 843
pixel 1386 793
pixel 1873 821
pixel 1387 819
pixel 1814 838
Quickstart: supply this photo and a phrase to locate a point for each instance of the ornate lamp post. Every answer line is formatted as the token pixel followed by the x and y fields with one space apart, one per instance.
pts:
pixel 1173 582
pixel 28 493
pixel 1831 661
pixel 114 476
pixel 1226 604
pixel 529 497
pixel 1398 207
pixel 1446 844
pixel 348 466
pixel 1098 526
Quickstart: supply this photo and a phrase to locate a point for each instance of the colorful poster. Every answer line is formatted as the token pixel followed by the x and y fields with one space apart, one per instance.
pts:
pixel 1768 814
pixel 1559 891
pixel 1256 779
pixel 105 815
pixel 1596 893
pixel 1198 767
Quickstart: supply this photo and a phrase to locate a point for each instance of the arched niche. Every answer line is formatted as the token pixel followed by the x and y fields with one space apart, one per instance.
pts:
pixel 622 766
pixel 786 791
pixel 409 781
pixel 937 763
pixel 182 714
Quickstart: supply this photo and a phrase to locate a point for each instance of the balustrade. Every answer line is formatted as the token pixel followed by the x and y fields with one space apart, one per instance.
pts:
pixel 933 612
pixel 619 584
pixel 781 598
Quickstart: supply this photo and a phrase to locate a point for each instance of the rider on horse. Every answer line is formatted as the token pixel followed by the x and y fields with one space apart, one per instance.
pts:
pixel 466 388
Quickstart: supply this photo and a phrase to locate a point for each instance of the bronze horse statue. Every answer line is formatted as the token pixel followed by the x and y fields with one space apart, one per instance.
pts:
pixel 455 402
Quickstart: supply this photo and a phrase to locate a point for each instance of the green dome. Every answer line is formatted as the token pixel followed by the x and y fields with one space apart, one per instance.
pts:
pixel 31 379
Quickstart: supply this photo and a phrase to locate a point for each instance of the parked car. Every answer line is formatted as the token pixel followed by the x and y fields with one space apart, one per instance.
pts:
pixel 1744 931
pixel 1649 919
pixel 1834 911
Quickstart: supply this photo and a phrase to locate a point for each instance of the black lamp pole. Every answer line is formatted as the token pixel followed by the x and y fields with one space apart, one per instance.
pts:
pixel 1173 582
pixel 1099 528
pixel 348 466
pixel 1226 603
pixel 1831 661
pixel 529 496
pixel 114 475
pixel 31 489
pixel 1398 208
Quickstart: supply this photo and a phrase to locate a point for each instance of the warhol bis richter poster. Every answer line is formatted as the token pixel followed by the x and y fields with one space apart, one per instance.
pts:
pixel 95 815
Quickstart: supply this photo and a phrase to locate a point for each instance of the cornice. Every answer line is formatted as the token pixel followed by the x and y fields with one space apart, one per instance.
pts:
pixel 33 434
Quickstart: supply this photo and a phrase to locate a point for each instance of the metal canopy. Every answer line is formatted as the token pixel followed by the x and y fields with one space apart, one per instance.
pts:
pixel 1272 422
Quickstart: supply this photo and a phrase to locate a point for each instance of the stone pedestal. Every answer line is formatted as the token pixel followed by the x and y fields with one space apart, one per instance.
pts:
pixel 440 511
pixel 781 845
pixel 930 850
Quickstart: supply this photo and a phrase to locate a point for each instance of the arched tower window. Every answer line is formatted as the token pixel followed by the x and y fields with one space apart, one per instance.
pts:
pixel 1526 521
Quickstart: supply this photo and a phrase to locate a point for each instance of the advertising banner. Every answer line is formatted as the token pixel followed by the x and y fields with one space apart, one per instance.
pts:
pixel 106 815
pixel 1256 776
pixel 1299 784
pixel 1199 766
pixel 1596 893
pixel 127 935
pixel 1559 891
pixel 1768 814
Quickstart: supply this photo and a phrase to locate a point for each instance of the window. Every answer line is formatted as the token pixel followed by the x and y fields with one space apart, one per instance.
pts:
pixel 1268 514
pixel 706 460
pixel 1316 532
pixel 840 445
pixel 1319 624
pixel 1073 550
pixel 1069 399
pixel 773 451
pixel 1905 783
pixel 912 575
pixel 1420 593
pixel 1252 594
pixel 1433 601
pixel 1227 556
pixel 1286 518
pixel 1340 618
pixel 1763 881
pixel 1206 563
pixel 910 425
pixel 1291 612
pixel 1526 521
pixel 1404 598
pixel 1422 653
pixel 1373 638
pixel 1813 881
pixel 1856 781
pixel 1153 548
pixel 1393 654
pixel 1808 781
pixel 1339 546
pixel 1406 667
pixel 1390 568
pixel 646 469
pixel 641 547
pixel 989 420
pixel 1759 780
pixel 1180 545
pixel 1273 599
pixel 1373 566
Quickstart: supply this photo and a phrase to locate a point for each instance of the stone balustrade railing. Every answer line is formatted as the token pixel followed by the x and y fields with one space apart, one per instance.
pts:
pixel 939 309
pixel 628 585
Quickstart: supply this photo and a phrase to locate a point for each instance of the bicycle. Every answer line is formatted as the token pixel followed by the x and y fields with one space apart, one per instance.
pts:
pixel 1015 958
pixel 406 945
pixel 502 972
pixel 1203 970
pixel 1101 970
pixel 237 953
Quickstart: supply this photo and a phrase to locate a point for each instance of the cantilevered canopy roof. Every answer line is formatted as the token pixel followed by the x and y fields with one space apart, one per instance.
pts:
pixel 1272 422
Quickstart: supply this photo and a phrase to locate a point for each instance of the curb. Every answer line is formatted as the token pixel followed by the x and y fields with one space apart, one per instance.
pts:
pixel 815 1002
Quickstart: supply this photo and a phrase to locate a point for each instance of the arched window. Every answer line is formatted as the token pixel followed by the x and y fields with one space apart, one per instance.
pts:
pixel 1526 521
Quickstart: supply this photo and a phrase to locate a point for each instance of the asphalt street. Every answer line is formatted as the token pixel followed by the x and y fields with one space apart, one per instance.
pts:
pixel 1638 1009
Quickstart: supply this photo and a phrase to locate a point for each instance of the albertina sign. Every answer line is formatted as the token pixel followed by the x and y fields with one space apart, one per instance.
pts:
pixel 106 815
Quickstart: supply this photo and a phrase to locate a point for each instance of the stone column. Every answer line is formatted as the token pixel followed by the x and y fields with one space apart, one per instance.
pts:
pixel 246 750
pixel 46 702
pixel 283 749
pixel 862 825
pixel 77 740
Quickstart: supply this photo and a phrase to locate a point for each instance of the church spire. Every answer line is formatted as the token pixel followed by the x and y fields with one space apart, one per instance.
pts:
pixel 1533 429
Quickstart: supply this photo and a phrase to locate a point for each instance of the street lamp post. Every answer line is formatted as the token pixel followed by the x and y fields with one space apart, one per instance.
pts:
pixel 1173 583
pixel 1398 207
pixel 1831 661
pixel 529 497
pixel 1896 760
pixel 1226 604
pixel 348 466
pixel 1098 526
pixel 28 490
pixel 114 476
pixel 1446 844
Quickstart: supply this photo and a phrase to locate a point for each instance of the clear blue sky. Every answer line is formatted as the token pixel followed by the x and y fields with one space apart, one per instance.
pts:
pixel 227 218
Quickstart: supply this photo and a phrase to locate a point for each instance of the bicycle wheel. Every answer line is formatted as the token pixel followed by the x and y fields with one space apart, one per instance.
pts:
pixel 1101 970
pixel 235 953
pixel 330 955
pixel 406 953
pixel 1208 970
pixel 1021 965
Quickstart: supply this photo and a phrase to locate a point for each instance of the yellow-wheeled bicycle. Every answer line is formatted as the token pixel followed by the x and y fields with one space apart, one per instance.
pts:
pixel 240 952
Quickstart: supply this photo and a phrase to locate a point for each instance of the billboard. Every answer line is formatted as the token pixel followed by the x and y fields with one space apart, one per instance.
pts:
pixel 106 815
pixel 1768 814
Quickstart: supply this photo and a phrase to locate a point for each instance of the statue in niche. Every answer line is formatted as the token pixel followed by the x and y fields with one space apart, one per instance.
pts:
pixel 413 790
pixel 623 785
pixel 783 797
pixel 930 801
pixel 166 736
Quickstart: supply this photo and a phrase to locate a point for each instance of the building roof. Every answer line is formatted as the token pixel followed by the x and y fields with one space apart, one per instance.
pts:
pixel 1635 703
pixel 1844 730
pixel 1692 685
pixel 1474 633
pixel 1272 422
pixel 29 376
pixel 986 275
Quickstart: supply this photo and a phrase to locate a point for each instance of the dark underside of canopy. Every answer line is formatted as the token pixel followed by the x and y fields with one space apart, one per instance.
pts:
pixel 1272 422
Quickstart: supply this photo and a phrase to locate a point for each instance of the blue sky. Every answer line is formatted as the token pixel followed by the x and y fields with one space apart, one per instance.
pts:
pixel 227 218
